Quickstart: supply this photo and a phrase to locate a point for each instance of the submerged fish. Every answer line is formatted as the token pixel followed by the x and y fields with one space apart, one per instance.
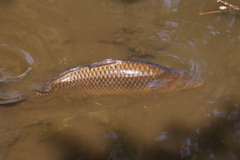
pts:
pixel 114 76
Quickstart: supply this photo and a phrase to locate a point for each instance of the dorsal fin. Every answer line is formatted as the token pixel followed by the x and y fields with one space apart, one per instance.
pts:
pixel 49 84
pixel 103 63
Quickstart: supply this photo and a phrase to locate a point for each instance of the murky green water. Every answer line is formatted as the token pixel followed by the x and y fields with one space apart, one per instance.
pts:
pixel 41 39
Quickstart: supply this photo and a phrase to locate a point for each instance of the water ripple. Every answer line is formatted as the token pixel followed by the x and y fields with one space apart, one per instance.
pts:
pixel 11 54
pixel 191 59
pixel 185 58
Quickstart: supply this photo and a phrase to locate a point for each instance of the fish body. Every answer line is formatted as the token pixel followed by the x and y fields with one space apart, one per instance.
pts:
pixel 115 76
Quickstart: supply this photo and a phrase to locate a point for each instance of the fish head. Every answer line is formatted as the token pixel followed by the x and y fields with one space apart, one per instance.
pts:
pixel 175 80
pixel 181 80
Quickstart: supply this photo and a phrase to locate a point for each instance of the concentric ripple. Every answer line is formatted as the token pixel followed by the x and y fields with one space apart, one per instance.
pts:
pixel 189 57
pixel 185 58
pixel 16 63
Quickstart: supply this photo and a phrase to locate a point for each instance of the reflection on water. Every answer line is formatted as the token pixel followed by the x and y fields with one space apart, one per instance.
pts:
pixel 40 39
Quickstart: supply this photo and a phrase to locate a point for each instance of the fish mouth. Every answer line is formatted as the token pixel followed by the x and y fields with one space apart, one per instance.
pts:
pixel 196 83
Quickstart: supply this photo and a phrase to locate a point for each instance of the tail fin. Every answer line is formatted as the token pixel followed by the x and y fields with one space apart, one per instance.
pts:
pixel 5 101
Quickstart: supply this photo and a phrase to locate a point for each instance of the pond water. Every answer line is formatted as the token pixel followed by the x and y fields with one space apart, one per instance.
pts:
pixel 41 39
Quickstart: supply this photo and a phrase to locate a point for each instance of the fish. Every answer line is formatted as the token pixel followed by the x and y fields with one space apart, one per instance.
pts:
pixel 113 76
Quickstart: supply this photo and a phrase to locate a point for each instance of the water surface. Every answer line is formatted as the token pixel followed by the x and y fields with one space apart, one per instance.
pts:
pixel 41 39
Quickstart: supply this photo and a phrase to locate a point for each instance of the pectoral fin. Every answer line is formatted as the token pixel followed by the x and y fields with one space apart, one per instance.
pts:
pixel 157 84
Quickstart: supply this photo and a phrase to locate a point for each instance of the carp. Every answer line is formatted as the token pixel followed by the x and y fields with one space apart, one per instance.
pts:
pixel 113 76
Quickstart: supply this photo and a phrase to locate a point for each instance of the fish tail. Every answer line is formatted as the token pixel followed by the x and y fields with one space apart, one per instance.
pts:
pixel 9 101
pixel 35 97
pixel 38 97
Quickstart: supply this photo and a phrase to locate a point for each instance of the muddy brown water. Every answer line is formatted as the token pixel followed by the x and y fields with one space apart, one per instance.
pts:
pixel 52 36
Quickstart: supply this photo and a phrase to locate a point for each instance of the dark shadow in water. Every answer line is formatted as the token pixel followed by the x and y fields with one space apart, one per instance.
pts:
pixel 129 1
pixel 7 2
pixel 215 136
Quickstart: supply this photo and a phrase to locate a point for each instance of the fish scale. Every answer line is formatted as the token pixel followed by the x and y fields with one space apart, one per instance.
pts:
pixel 114 76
